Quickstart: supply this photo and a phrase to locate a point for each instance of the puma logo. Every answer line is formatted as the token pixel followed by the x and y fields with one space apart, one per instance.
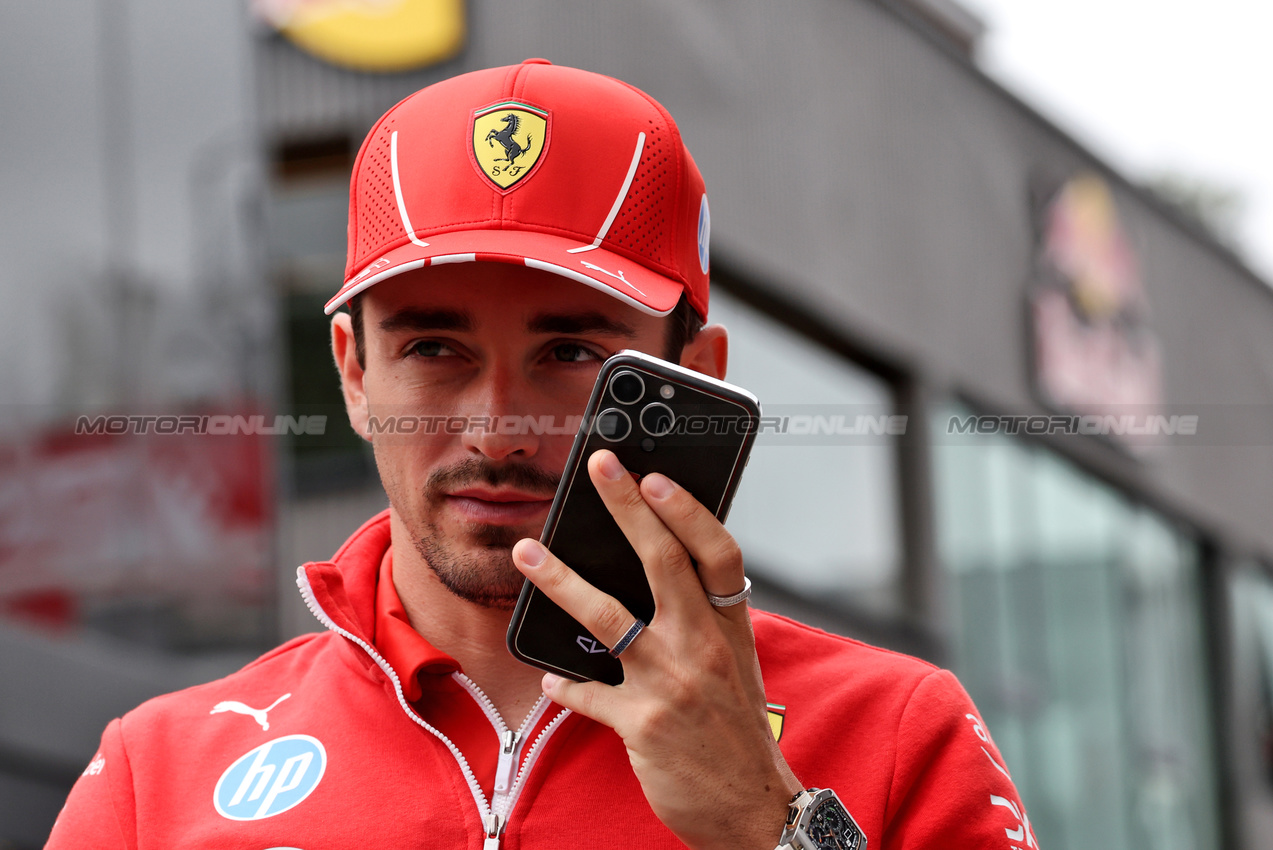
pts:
pixel 257 714
pixel 619 276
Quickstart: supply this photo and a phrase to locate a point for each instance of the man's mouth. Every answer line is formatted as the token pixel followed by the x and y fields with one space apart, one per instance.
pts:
pixel 498 506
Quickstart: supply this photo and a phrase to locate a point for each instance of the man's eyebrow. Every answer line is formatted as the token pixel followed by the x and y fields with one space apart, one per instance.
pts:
pixel 412 319
pixel 580 323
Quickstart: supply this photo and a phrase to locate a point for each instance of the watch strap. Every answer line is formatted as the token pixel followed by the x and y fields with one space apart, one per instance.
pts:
pixel 794 807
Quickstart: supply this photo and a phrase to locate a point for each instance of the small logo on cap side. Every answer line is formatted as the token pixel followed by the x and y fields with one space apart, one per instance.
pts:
pixel 509 139
pixel 704 235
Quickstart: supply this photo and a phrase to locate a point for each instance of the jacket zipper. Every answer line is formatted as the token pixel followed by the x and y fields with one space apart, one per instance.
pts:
pixel 507 774
pixel 498 818
pixel 494 817
pixel 510 741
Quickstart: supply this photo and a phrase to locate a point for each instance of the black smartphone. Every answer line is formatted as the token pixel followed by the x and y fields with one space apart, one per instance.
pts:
pixel 656 417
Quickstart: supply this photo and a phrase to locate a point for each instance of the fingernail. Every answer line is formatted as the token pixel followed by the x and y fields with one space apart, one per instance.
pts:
pixel 531 552
pixel 550 681
pixel 658 486
pixel 610 466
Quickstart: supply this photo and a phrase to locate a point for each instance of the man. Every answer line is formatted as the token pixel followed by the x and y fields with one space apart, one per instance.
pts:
pixel 510 229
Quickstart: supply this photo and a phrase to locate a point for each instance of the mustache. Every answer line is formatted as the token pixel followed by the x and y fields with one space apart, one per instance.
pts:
pixel 532 479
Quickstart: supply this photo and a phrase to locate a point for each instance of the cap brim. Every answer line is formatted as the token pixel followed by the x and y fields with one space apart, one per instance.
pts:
pixel 613 274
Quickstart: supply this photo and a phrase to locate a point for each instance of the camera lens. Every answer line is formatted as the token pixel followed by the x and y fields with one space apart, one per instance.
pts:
pixel 613 424
pixel 657 419
pixel 627 387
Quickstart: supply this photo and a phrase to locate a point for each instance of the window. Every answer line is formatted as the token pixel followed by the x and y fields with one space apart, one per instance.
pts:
pixel 1251 603
pixel 307 209
pixel 817 511
pixel 1077 628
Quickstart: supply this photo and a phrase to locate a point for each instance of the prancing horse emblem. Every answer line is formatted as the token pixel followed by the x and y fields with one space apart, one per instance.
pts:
pixel 512 150
pixel 509 139
pixel 257 714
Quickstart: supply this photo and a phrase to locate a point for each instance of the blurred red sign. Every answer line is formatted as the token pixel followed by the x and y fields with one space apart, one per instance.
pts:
pixel 174 516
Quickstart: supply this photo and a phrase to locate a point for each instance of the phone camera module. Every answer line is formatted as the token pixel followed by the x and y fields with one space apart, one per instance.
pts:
pixel 613 424
pixel 657 419
pixel 626 387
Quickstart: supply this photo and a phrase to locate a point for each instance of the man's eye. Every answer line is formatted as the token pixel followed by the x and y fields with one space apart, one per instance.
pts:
pixel 432 348
pixel 569 352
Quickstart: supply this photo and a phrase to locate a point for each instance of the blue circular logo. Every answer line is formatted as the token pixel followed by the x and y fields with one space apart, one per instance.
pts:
pixel 270 779
pixel 704 233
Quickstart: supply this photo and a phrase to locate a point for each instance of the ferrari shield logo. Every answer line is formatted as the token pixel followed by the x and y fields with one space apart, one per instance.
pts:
pixel 509 139
pixel 777 717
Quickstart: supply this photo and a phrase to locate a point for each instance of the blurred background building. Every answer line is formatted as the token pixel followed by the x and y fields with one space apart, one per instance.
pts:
pixel 925 281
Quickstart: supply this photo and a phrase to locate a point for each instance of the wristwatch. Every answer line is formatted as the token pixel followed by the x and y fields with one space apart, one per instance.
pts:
pixel 819 821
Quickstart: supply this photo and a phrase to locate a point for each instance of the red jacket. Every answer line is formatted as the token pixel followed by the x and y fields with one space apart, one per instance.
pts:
pixel 343 761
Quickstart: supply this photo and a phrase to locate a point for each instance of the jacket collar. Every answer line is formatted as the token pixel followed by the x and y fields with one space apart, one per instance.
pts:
pixel 345 586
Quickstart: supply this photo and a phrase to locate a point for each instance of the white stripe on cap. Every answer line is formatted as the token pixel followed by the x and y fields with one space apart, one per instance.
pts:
pixel 342 297
pixel 618 202
pixel 598 285
pixel 397 190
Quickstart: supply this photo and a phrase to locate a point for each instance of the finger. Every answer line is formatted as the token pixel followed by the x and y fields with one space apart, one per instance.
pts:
pixel 591 699
pixel 667 561
pixel 720 562
pixel 598 612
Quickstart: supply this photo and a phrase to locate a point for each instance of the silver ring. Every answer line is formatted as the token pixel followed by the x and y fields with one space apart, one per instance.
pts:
pixel 628 637
pixel 726 601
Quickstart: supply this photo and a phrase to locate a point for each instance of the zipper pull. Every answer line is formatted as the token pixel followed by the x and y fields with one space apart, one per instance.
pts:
pixel 493 827
pixel 507 765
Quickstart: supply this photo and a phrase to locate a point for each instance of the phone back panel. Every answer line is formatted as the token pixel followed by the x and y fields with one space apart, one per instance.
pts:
pixel 712 429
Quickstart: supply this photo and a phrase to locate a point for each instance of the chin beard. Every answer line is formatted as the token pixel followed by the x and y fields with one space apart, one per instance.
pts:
pixel 486 578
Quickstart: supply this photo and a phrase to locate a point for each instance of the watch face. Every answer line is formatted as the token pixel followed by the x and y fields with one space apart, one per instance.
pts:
pixel 831 828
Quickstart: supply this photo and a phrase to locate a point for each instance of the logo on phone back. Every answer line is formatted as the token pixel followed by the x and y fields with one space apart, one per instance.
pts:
pixel 589 645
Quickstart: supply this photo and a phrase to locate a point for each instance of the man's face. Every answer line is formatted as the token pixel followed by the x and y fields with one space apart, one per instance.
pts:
pixel 453 344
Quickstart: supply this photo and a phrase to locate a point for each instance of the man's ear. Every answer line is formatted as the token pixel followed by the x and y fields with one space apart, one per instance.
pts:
pixel 351 372
pixel 708 351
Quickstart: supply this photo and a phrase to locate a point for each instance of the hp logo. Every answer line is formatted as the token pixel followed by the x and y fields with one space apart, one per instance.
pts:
pixel 270 779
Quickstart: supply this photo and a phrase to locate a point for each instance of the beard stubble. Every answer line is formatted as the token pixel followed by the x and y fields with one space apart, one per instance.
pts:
pixel 486 577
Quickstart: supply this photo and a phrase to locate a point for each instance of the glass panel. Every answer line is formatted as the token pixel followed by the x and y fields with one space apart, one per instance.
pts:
pixel 1169 742
pixel 819 516
pixel 1251 602
pixel 305 242
pixel 1077 629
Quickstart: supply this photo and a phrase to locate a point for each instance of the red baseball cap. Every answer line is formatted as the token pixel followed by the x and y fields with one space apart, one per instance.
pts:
pixel 555 168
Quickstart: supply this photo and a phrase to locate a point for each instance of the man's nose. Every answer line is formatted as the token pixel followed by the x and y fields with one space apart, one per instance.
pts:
pixel 500 420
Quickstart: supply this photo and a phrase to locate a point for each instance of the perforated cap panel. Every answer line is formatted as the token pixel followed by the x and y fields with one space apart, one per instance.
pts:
pixel 641 225
pixel 378 221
